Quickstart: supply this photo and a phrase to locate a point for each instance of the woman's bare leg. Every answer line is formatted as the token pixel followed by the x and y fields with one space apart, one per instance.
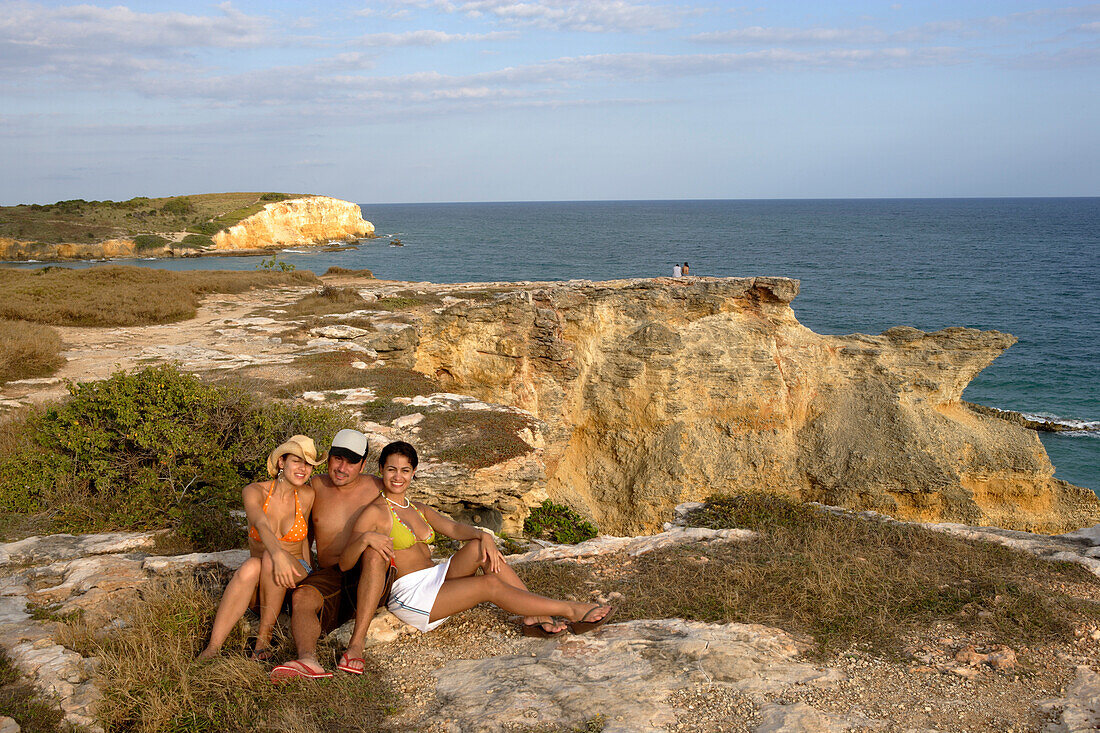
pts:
pixel 460 594
pixel 467 560
pixel 271 602
pixel 235 601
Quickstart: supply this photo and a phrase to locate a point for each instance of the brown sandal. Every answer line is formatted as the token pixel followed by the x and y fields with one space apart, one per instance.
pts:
pixel 583 627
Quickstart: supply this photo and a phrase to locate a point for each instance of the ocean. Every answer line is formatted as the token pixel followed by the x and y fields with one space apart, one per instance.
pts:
pixel 1030 267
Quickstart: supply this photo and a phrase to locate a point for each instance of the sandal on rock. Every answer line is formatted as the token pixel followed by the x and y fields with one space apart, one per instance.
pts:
pixel 539 630
pixel 583 627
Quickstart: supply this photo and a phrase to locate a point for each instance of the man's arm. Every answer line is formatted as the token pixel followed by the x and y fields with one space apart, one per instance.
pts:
pixel 369 530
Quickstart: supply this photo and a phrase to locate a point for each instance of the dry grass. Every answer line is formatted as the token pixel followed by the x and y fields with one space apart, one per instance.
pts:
pixel 327 299
pixel 28 350
pixel 332 370
pixel 151 681
pixel 122 296
pixel 844 581
pixel 474 439
pixel 345 272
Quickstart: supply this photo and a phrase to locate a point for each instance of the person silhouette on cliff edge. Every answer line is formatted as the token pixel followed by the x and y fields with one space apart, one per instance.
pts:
pixel 327 597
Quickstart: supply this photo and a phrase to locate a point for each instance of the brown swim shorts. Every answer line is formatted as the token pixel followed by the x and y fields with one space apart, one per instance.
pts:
pixel 338 591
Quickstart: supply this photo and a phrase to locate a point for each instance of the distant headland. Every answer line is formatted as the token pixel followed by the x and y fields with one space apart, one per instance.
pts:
pixel 176 226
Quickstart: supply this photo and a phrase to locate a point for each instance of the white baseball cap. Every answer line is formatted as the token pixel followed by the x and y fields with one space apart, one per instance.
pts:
pixel 352 441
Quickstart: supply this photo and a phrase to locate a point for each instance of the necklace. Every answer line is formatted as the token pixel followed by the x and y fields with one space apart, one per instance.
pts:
pixel 406 505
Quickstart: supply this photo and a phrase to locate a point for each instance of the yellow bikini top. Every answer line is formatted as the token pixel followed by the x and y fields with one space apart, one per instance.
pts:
pixel 403 537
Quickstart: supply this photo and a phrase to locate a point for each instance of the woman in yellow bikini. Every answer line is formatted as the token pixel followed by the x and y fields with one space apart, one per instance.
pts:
pixel 278 523
pixel 425 594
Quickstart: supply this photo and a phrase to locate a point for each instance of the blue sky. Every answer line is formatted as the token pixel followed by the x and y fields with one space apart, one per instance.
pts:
pixel 504 100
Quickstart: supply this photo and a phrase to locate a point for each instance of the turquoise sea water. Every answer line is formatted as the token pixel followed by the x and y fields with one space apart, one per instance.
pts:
pixel 1030 267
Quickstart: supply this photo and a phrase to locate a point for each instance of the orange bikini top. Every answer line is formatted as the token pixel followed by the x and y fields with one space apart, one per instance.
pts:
pixel 298 531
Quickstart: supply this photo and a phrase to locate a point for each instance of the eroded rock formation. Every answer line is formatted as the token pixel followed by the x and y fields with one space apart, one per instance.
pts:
pixel 304 221
pixel 656 392
pixel 301 221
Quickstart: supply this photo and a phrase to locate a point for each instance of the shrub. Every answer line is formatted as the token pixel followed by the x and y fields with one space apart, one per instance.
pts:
pixel 208 228
pixel 559 523
pixel 196 241
pixel 335 270
pixel 275 264
pixel 177 206
pixel 149 241
pixel 28 350
pixel 147 450
pixel 274 197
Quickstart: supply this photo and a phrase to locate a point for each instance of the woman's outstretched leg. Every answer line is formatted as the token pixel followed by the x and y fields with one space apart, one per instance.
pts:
pixel 467 560
pixel 460 594
pixel 271 602
pixel 235 601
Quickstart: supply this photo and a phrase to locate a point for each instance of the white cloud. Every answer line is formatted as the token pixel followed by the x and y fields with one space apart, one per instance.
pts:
pixel 83 26
pixel 591 16
pixel 427 38
pixel 924 33
pixel 761 35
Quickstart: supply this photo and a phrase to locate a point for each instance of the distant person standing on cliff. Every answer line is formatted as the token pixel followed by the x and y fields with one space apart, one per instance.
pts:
pixel 684 269
pixel 676 271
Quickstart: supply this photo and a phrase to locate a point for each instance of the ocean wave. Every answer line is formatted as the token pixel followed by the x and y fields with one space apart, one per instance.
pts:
pixel 1068 426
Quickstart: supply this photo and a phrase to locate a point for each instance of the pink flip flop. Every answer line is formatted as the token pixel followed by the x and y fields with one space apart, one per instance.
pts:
pixel 345 664
pixel 296 670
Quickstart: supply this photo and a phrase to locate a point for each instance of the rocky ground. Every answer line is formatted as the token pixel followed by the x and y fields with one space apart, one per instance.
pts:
pixel 476 673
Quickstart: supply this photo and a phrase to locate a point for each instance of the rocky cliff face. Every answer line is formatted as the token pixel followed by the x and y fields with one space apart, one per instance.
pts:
pixel 305 221
pixel 309 220
pixel 14 249
pixel 656 392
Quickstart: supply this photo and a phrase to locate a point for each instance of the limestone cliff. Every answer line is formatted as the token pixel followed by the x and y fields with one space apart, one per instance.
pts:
pixel 300 221
pixel 656 392
pixel 15 249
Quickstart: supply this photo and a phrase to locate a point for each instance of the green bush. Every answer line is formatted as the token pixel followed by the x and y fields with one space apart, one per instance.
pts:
pixel 558 523
pixel 152 449
pixel 179 205
pixel 274 197
pixel 208 228
pixel 196 241
pixel 149 241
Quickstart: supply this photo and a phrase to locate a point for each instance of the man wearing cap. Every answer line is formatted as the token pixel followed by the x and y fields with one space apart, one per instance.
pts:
pixel 327 597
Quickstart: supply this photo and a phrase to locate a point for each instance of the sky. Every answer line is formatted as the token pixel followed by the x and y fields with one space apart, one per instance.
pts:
pixel 529 100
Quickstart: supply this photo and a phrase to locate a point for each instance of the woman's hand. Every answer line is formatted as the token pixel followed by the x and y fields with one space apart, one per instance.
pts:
pixel 489 552
pixel 287 570
pixel 382 543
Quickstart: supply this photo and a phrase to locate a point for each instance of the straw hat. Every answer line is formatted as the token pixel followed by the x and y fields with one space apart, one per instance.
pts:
pixel 299 445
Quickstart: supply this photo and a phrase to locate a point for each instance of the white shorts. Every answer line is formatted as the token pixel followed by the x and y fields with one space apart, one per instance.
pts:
pixel 413 595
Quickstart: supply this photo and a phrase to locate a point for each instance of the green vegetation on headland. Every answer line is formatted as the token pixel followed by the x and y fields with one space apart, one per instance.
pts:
pixel 157 221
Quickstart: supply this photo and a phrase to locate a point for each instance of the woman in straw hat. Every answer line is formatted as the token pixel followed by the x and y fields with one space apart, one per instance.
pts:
pixel 278 523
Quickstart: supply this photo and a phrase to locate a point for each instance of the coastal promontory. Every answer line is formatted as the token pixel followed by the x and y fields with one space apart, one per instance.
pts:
pixel 177 226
